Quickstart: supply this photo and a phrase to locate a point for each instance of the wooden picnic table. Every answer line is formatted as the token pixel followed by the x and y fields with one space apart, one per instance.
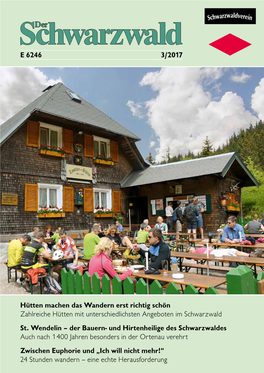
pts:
pixel 48 240
pixel 198 281
pixel 177 233
pixel 239 246
pixel 251 261
pixel 255 235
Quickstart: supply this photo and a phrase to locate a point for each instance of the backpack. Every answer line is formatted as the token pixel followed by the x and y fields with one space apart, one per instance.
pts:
pixel 51 286
pixel 174 216
pixel 190 214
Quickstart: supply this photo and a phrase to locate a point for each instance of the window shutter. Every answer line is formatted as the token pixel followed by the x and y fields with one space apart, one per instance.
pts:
pixel 68 199
pixel 68 141
pixel 88 146
pixel 88 200
pixel 114 151
pixel 208 204
pixel 116 200
pixel 32 133
pixel 31 197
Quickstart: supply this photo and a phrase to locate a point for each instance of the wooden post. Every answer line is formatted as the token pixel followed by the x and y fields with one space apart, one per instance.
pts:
pixel 261 287
pixel 106 285
pixel 156 288
pixel 64 281
pixel 79 282
pixel 71 282
pixel 172 289
pixel 87 283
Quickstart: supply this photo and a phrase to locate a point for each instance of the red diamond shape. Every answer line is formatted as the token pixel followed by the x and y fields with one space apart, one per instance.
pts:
pixel 230 44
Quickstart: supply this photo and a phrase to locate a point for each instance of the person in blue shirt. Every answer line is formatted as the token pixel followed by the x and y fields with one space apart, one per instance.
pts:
pixel 119 226
pixel 233 232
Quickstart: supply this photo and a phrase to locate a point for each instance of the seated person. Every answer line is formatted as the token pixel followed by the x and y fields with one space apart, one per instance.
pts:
pixel 69 249
pixel 255 226
pixel 162 226
pixel 118 240
pixel 146 221
pixel 56 235
pixel 101 231
pixel 158 250
pixel 33 233
pixel 35 254
pixel 101 263
pixel 233 232
pixel 49 234
pixel 16 249
pixel 220 252
pixel 119 226
pixel 90 241
pixel 142 236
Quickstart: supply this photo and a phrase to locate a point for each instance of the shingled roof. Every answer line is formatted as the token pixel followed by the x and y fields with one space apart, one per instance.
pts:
pixel 218 164
pixel 56 101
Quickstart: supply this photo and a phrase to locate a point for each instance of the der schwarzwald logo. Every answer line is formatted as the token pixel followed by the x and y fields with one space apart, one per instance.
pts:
pixel 230 16
pixel 230 44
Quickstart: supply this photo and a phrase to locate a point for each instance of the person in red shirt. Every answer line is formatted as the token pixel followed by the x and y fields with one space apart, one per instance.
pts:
pixel 69 249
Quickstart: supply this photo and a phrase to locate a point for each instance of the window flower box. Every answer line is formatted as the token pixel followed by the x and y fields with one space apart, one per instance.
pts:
pixel 233 208
pixel 104 215
pixel 103 161
pixel 51 153
pixel 52 215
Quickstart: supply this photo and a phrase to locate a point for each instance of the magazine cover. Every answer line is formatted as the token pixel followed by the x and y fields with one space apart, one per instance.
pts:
pixel 132 185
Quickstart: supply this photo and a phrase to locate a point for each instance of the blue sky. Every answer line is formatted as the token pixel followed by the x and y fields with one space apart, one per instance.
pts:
pixel 175 107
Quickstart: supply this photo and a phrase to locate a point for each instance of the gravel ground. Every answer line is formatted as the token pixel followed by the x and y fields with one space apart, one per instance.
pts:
pixel 12 287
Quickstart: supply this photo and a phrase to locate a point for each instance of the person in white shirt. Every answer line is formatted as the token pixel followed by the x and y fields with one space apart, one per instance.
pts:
pixel 169 213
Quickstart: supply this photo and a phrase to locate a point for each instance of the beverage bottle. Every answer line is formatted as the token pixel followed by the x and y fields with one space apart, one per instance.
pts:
pixel 174 265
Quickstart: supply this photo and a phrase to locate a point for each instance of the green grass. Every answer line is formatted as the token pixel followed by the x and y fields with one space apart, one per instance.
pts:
pixel 253 197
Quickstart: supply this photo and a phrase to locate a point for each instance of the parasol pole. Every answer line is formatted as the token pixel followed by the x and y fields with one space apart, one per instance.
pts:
pixel 207 254
pixel 146 256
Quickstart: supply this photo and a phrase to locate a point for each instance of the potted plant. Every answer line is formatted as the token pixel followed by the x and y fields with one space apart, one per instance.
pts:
pixel 234 206
pixel 223 199
pixel 51 212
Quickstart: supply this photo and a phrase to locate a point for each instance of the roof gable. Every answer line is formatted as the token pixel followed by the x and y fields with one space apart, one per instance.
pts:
pixel 218 164
pixel 56 101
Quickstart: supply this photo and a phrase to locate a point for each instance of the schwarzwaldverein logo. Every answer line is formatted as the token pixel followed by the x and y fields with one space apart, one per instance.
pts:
pixel 230 16
pixel 230 44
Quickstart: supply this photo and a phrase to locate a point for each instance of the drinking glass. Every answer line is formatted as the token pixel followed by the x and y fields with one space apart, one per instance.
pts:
pixel 164 264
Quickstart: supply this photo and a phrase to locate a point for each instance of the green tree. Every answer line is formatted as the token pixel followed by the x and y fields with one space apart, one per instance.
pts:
pixel 207 148
pixel 253 197
pixel 150 159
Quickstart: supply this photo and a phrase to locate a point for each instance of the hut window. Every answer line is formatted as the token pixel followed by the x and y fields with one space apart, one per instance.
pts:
pixel 50 195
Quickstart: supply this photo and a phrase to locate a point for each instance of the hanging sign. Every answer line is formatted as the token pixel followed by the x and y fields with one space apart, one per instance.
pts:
pixel 79 172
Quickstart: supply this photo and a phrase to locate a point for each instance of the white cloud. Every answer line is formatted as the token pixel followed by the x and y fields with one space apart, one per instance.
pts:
pixel 257 99
pixel 243 78
pixel 152 143
pixel 136 109
pixel 19 86
pixel 184 113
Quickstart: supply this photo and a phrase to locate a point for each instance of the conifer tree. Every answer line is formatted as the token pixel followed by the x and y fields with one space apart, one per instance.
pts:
pixel 207 148
pixel 150 159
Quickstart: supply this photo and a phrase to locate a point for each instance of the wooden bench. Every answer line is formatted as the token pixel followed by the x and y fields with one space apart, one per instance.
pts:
pixel 202 267
pixel 25 276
